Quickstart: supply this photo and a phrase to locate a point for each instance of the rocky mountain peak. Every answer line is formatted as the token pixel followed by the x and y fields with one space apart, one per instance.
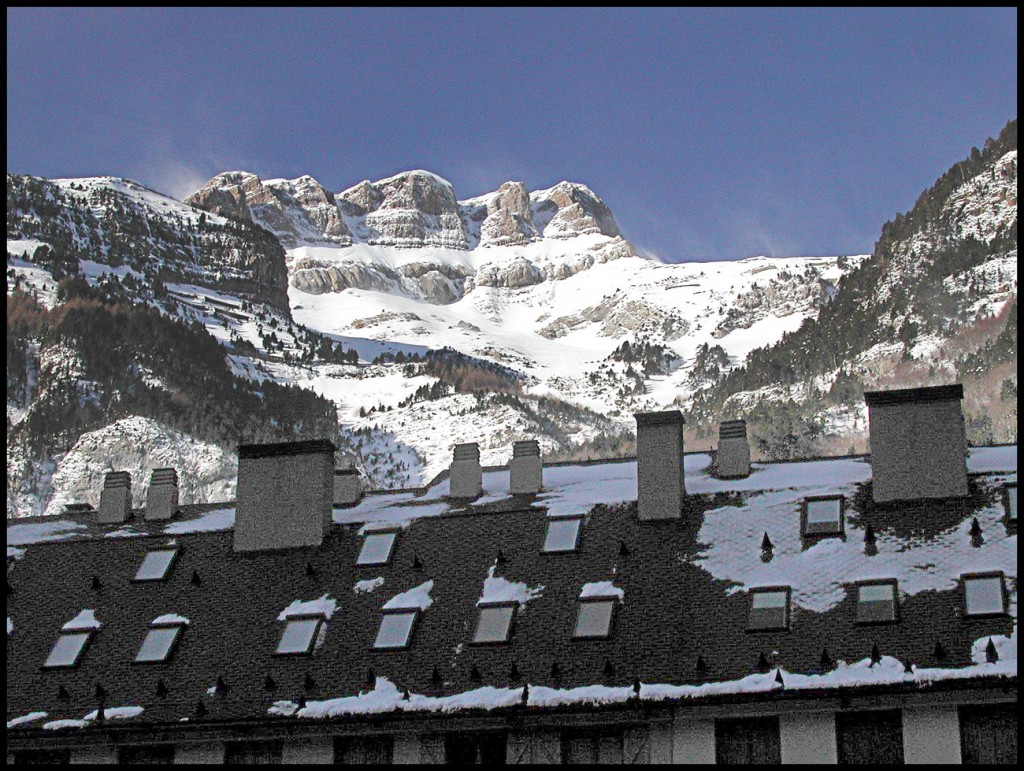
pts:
pixel 508 220
pixel 577 211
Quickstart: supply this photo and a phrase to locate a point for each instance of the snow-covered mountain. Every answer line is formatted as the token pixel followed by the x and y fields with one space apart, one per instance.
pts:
pixel 427 320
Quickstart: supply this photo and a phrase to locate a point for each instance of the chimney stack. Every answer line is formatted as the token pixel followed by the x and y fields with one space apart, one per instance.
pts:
pixel 918 443
pixel 733 458
pixel 116 498
pixel 348 482
pixel 465 475
pixel 162 496
pixel 527 471
pixel 659 462
pixel 285 493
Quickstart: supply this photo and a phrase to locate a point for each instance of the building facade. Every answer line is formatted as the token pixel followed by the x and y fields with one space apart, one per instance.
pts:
pixel 672 608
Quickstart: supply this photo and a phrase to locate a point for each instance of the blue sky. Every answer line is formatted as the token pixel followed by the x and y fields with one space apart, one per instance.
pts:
pixel 711 134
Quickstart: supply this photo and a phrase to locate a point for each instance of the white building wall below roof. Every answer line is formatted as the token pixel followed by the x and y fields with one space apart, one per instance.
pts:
pixel 931 735
pixel 808 737
pixel 693 741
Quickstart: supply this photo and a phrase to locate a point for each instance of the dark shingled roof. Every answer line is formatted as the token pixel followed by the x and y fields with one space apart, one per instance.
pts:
pixel 684 591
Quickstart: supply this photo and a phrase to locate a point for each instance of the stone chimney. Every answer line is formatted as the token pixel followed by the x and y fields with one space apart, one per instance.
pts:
pixel 162 496
pixel 526 471
pixel 733 458
pixel 659 462
pixel 918 443
pixel 349 484
pixel 116 498
pixel 465 475
pixel 285 493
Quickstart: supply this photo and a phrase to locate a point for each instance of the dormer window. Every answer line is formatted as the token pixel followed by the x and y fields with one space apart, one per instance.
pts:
pixel 377 548
pixel 74 636
pixel 984 594
pixel 156 565
pixel 299 635
pixel 769 609
pixel 876 601
pixel 562 535
pixel 396 627
pixel 823 515
pixel 163 636
pixel 495 622
pixel 1010 502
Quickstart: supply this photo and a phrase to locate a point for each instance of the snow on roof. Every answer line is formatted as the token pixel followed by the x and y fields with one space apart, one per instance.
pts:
pixel 367 585
pixel 603 589
pixel 170 618
pixel 218 519
pixel 40 532
pixel 386 696
pixel 116 713
pixel 85 620
pixel 10 625
pixel 417 597
pixel 498 589
pixel 325 605
pixel 730 537
pixel 28 718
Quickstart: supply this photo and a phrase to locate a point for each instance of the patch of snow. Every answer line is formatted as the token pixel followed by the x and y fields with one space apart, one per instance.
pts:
pixel 417 597
pixel 603 589
pixel 325 605
pixel 498 589
pixel 30 717
pixel 42 532
pixel 115 713
pixel 368 585
pixel 170 618
pixel 218 519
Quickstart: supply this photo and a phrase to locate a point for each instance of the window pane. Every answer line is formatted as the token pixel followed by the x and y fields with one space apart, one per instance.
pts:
pixel 748 740
pixel 494 624
pixel 769 599
pixel 67 649
pixel 984 595
pixel 823 516
pixel 988 734
pixel 155 565
pixel 42 757
pixel 562 534
pixel 298 635
pixel 249 753
pixel 376 549
pixel 370 751
pixel 158 643
pixel 394 630
pixel 161 754
pixel 594 619
pixel 870 737
pixel 1011 493
pixel 876 593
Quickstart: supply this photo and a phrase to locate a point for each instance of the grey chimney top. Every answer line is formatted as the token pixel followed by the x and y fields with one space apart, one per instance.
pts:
pixel 164 476
pixel 666 418
pixel 912 395
pixel 732 429
pixel 117 479
pixel 525 448
pixel 285 448
pixel 469 451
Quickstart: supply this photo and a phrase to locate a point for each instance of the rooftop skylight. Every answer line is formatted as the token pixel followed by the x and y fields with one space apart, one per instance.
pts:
pixel 395 629
pixel 155 565
pixel 1011 502
pixel 495 623
pixel 377 548
pixel 983 594
pixel 159 642
pixel 299 635
pixel 562 534
pixel 68 649
pixel 594 619
pixel 769 608
pixel 823 516
pixel 876 601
